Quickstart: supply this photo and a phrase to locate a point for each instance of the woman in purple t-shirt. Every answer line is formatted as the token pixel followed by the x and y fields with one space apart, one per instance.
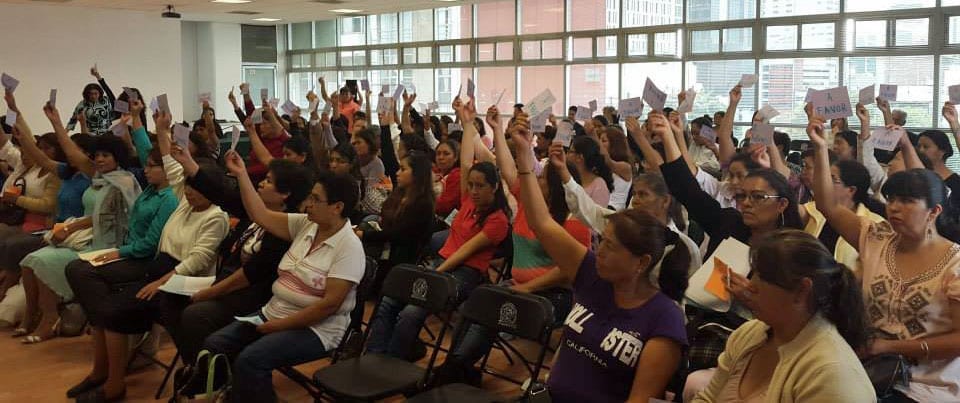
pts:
pixel 624 337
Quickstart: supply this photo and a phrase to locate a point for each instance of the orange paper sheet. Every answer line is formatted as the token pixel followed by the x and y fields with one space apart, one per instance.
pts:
pixel 14 190
pixel 58 226
pixel 716 285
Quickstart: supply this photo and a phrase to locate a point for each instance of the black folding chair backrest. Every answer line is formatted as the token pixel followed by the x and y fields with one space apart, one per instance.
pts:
pixel 365 288
pixel 433 291
pixel 501 309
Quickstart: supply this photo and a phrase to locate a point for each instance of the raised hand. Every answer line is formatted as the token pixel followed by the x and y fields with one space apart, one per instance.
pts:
pixel 949 112
pixel 53 115
pixel 163 121
pixel 234 163
pixel 883 104
pixel 95 72
pixel 862 113
pixel 408 99
pixel 815 132
pixel 658 124
pixel 232 98
pixel 736 94
pixel 493 117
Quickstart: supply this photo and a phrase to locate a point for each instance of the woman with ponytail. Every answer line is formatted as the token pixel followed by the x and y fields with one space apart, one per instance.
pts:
pixel 910 274
pixel 809 320
pixel 624 337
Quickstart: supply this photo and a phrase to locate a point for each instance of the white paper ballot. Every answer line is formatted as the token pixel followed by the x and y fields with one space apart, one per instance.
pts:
pixel 181 136
pixel 454 127
pixel 274 103
pixel 867 96
pixel 768 112
pixel 584 113
pixel 687 105
pixel 471 88
pixel 631 108
pixel 9 82
pixel 255 319
pixel 365 85
pixel 154 106
pixel 162 102
pixel 257 117
pixel 119 129
pixel 540 103
pixel 888 92
pixel 398 93
pixel 121 106
pixel 593 105
pixel 235 137
pixel 748 80
pixel 205 97
pixel 53 97
pixel 809 97
pixel 653 96
pixel 565 133
pixel 264 93
pixel 708 133
pixel 954 91
pixel 90 257
pixel 885 139
pixel 499 97
pixel 131 94
pixel 762 133
pixel 383 106
pixel 832 103
pixel 185 285
pixel 11 118
pixel 289 107
pixel 539 124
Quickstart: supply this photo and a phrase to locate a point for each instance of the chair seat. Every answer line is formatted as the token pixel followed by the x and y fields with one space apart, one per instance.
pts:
pixel 369 377
pixel 455 392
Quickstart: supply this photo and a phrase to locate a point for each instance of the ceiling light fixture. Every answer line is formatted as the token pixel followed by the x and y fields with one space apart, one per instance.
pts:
pixel 170 13
pixel 344 10
pixel 264 19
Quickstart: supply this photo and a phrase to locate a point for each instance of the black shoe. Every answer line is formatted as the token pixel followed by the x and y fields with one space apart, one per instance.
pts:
pixel 98 396
pixel 85 386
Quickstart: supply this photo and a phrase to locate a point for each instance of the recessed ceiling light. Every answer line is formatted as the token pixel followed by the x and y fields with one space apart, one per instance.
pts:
pixel 344 10
pixel 448 1
pixel 232 1
pixel 266 19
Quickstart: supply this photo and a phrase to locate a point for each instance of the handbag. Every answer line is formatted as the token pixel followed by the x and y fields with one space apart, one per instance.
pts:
pixel 12 215
pixel 887 371
pixel 77 241
pixel 182 393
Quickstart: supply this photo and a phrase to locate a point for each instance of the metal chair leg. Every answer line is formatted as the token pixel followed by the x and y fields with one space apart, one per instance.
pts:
pixel 166 376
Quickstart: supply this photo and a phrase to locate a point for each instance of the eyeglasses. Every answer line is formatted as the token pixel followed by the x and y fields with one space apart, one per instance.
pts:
pixel 754 197
pixel 312 198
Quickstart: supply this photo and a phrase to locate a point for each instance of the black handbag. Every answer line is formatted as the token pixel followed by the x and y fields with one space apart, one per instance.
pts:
pixel 886 371
pixel 11 215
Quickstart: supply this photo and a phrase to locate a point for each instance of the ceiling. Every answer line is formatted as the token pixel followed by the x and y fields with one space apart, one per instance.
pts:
pixel 286 10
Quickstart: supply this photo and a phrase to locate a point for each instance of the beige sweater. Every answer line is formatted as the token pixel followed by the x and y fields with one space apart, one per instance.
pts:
pixel 816 366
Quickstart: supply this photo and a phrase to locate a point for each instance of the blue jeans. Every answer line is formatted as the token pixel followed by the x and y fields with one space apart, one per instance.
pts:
pixel 396 327
pixel 476 341
pixel 255 355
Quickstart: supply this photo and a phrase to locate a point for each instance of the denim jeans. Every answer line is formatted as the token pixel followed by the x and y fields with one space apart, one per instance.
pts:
pixel 472 344
pixel 396 327
pixel 255 355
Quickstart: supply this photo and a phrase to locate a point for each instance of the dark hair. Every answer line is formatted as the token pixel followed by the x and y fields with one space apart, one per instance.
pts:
pixel 200 141
pixel 114 146
pixel 939 139
pixel 642 234
pixel 572 109
pixel 292 178
pixel 655 182
pixel 435 126
pixel 593 159
pixel 745 159
pixel 454 146
pixel 420 191
pixel 369 135
pixel 556 199
pixel 88 87
pixel 340 189
pixel 481 128
pixel 853 173
pixel 617 145
pixel 720 113
pixel 414 142
pixel 811 153
pixel 602 119
pixel 300 145
pixel 492 176
pixel 50 139
pixel 124 97
pixel 782 141
pixel 790 218
pixel 785 257
pixel 850 137
pixel 926 185
pixel 704 120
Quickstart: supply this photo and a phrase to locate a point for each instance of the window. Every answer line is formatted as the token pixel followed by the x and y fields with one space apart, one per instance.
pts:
pixel 301 36
pixel 258 44
pixel 737 39
pixel 505 51
pixel 586 15
pixel 541 16
pixel 300 84
pixel 590 82
pixel 789 8
pixel 485 52
pixel 705 41
pixel 818 36
pixel 582 48
pixel 606 46
pixel 449 83
pixel 416 26
pixel 953 33
pixel 352 31
pixel 648 13
pixel 535 79
pixel 666 75
pixel 325 33
pixel 784 83
pixel 552 49
pixel 912 32
pixel 782 37
pixel 949 75
pixel 382 29
pixel 423 82
pixel 300 61
pixel 637 45
pixel 454 22
pixel 715 79
pixel 493 80
pixel 913 76
pixel 353 58
pixel 499 18
pixel 667 44
pixel 878 5
pixel 871 34
pixel 720 10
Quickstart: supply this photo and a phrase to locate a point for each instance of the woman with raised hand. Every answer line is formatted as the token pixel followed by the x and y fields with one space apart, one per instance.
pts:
pixel 910 273
pixel 28 196
pixel 271 136
pixel 107 202
pixel 96 108
pixel 187 247
pixel 615 298
pixel 478 229
pixel 616 154
pixel 809 321
pixel 596 176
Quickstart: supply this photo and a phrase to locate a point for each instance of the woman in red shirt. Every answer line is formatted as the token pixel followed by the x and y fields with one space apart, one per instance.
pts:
pixel 447 172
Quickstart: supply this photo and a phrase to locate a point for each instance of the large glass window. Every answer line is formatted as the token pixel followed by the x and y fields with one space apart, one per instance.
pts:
pixel 720 10
pixel 587 15
pixel 416 26
pixel 454 22
pixel 789 8
pixel 352 31
pixel 541 16
pixel 382 29
pixel 301 36
pixel 491 81
pixel 593 82
pixel 878 5
pixel 714 79
pixel 666 75
pixel 913 76
pixel 535 79
pixel 784 83
pixel 499 18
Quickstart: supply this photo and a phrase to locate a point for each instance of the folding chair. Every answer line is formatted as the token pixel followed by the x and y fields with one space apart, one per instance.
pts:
pixel 527 316
pixel 375 376
pixel 364 289
pixel 138 351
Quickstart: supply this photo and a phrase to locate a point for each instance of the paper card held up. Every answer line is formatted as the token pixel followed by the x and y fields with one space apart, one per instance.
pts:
pixel 181 136
pixel 888 92
pixel 11 118
pixel 235 138
pixel 867 96
pixel 471 88
pixel 748 80
pixel 540 103
pixel 593 105
pixel 565 133
pixel 631 108
pixel 716 284
pixel 584 113
pixel 653 96
pixel 886 139
pixel 832 103
pixel 762 134
pixel 9 82
pixel 121 106
pixel 954 91
pixel 708 133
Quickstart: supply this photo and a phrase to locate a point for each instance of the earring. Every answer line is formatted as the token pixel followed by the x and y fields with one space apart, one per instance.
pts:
pixel 782 220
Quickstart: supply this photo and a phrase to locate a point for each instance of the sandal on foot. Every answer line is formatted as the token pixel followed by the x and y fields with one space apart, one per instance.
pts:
pixel 32 339
pixel 19 332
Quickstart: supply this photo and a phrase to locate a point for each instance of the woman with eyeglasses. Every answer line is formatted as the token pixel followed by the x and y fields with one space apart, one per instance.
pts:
pixel 910 274
pixel 480 226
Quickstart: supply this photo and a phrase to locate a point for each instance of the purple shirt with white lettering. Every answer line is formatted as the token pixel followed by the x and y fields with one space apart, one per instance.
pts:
pixel 602 342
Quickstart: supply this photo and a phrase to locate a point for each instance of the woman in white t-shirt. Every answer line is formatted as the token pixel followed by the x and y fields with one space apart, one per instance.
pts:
pixel 315 291
pixel 910 274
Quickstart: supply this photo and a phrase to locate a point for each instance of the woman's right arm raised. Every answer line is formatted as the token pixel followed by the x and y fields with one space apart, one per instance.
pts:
pixel 76 157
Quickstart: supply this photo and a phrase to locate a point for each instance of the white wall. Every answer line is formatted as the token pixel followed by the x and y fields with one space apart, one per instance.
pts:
pixel 211 63
pixel 55 46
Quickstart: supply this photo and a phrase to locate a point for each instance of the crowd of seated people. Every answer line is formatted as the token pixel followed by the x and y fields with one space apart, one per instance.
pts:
pixel 681 263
